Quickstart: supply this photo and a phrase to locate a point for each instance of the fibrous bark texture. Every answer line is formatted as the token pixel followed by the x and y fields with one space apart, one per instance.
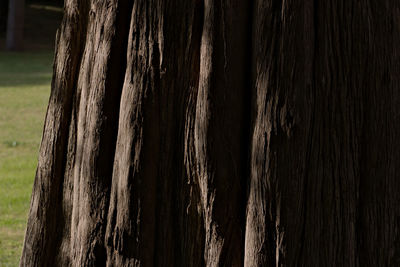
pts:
pixel 221 133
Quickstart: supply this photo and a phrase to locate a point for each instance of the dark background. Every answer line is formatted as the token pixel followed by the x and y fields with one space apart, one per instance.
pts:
pixel 40 24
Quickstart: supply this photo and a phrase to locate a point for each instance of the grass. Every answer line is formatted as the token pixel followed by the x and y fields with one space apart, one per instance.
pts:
pixel 24 91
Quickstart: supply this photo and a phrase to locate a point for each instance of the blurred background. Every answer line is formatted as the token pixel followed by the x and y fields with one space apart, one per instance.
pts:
pixel 27 38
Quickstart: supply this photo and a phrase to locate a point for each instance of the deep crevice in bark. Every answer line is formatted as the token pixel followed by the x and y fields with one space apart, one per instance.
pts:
pixel 116 73
pixel 81 42
pixel 249 112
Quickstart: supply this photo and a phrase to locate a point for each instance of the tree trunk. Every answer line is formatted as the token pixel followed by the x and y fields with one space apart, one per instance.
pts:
pixel 15 25
pixel 221 133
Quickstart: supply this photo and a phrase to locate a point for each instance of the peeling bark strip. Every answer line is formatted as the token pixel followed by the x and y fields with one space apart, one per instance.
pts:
pixel 221 133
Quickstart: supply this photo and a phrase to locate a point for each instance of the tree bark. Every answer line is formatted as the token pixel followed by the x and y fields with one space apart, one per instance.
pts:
pixel 15 25
pixel 221 133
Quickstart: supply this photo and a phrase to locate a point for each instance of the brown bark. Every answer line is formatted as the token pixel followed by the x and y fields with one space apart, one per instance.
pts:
pixel 220 133
pixel 324 164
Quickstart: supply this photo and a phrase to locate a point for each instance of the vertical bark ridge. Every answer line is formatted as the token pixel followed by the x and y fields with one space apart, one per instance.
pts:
pixel 141 227
pixel 100 85
pixel 66 191
pixel 45 203
pixel 131 221
pixel 192 222
pixel 262 210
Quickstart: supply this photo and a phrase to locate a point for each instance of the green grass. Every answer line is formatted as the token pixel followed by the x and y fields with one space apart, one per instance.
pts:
pixel 24 91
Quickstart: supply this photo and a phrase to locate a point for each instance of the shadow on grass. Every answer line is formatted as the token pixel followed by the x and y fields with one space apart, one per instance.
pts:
pixel 40 79
pixel 25 69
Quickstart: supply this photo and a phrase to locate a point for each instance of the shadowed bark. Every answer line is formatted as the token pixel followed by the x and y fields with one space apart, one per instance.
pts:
pixel 221 133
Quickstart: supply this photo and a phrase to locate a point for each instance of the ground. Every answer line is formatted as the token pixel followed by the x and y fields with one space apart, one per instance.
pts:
pixel 24 91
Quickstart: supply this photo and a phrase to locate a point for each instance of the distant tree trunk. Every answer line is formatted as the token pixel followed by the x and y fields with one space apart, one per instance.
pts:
pixel 221 133
pixel 15 25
